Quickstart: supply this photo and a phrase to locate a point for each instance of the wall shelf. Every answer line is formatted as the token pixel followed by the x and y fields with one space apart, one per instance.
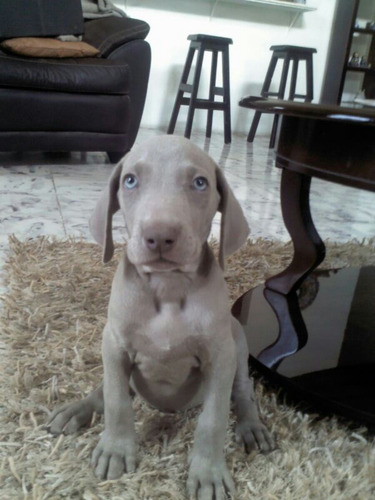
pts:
pixel 364 31
pixel 280 4
pixel 359 69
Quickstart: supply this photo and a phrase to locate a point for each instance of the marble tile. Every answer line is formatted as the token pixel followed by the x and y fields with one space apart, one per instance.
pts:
pixel 29 205
pixel 77 190
pixel 342 213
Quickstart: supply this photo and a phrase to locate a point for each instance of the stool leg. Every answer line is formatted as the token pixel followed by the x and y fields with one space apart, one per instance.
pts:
pixel 269 75
pixel 263 93
pixel 293 82
pixel 254 126
pixel 281 93
pixel 274 131
pixel 309 79
pixel 194 93
pixel 283 79
pixel 211 96
pixel 180 93
pixel 226 86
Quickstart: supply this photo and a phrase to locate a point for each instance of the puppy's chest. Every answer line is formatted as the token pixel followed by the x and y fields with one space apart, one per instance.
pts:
pixel 170 334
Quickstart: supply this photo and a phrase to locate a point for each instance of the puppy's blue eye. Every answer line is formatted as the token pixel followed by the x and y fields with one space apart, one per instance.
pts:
pixel 200 183
pixel 130 181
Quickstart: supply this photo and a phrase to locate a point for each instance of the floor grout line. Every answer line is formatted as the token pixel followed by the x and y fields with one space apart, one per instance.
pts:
pixel 58 202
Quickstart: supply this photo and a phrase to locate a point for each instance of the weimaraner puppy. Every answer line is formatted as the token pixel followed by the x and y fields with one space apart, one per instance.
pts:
pixel 170 336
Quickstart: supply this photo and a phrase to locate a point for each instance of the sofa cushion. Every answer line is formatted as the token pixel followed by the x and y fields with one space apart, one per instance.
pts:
pixel 26 111
pixel 48 47
pixel 85 75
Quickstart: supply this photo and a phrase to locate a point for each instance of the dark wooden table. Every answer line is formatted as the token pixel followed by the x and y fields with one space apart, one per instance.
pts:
pixel 319 341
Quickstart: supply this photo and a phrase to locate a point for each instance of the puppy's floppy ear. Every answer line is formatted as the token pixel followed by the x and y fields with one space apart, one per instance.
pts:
pixel 100 223
pixel 234 227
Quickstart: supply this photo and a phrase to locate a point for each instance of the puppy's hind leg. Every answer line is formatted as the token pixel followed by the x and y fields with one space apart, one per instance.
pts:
pixel 249 430
pixel 69 418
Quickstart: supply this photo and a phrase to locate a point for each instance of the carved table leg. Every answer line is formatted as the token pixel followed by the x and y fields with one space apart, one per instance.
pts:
pixel 309 250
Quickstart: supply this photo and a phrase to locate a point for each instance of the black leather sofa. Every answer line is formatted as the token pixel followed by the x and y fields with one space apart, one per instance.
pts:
pixel 78 104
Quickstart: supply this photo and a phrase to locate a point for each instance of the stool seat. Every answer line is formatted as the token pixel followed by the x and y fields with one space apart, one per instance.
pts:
pixel 288 54
pixel 202 43
pixel 210 38
pixel 293 48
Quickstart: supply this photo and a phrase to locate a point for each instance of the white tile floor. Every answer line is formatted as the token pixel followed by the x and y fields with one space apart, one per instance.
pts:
pixel 55 194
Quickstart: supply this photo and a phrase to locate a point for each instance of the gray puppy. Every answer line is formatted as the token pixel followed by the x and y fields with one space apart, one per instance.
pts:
pixel 170 335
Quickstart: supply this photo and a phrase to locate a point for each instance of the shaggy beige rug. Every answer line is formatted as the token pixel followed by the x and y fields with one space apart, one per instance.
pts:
pixel 51 323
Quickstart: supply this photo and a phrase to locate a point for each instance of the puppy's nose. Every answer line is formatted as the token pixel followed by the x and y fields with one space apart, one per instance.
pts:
pixel 157 244
pixel 161 239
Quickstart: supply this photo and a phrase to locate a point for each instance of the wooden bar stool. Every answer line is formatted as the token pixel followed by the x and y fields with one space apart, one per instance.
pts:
pixel 202 44
pixel 287 53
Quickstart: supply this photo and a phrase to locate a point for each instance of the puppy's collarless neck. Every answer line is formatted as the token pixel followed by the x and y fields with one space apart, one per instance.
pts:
pixel 168 287
pixel 171 287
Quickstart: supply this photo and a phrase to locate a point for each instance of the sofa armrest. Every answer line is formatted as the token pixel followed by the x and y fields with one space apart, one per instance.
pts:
pixel 108 33
pixel 137 55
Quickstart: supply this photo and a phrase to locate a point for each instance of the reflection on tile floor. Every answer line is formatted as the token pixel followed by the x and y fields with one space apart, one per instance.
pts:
pixel 54 194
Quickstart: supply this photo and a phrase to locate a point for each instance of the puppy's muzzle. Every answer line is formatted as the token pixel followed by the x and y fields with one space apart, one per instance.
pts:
pixel 161 238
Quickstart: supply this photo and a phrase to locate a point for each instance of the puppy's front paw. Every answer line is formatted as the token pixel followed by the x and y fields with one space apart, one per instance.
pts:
pixel 253 434
pixel 114 455
pixel 209 478
pixel 69 418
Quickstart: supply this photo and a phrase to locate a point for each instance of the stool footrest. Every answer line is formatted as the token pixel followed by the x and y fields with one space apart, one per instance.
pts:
pixel 204 104
pixel 268 94
pixel 185 87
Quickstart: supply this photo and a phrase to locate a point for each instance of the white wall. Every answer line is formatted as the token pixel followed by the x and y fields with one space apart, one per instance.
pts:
pixel 253 30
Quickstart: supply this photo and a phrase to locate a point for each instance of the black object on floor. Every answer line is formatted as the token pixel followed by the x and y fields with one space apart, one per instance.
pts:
pixel 319 342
